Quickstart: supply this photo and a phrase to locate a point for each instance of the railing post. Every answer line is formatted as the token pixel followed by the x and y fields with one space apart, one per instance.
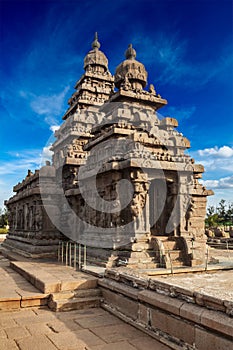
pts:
pixel 58 252
pixel 70 253
pixel 170 261
pixel 85 257
pixel 79 256
pixel 62 252
pixel 75 257
pixel 67 246
pixel 228 253
pixel 207 257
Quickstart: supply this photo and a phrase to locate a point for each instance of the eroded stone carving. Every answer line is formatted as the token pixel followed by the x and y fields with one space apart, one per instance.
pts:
pixel 108 136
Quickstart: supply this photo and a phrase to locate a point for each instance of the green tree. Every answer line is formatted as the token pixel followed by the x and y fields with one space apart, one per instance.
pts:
pixel 3 217
pixel 212 220
pixel 222 215
pixel 229 214
pixel 221 211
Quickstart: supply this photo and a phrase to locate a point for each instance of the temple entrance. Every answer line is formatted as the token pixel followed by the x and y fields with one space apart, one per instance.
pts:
pixel 162 199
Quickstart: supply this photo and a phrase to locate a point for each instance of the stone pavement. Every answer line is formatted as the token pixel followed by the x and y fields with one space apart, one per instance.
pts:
pixel 218 285
pixel 91 329
pixel 30 326
pixel 15 291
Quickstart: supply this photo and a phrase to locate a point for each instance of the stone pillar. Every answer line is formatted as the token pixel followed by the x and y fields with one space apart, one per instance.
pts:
pixel 140 202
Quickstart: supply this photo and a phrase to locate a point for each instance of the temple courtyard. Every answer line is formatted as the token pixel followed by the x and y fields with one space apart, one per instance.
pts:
pixel 38 308
pixel 107 247
pixel 26 324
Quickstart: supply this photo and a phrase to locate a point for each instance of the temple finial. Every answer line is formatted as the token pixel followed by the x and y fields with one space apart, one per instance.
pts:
pixel 130 53
pixel 96 44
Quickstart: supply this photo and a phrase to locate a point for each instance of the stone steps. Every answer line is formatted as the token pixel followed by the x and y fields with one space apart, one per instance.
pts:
pixel 172 254
pixel 75 299
pixel 83 293
pixel 169 243
pixel 48 282
pixel 74 304
pixel 175 254
pixel 175 257
pixel 68 289
pixel 60 302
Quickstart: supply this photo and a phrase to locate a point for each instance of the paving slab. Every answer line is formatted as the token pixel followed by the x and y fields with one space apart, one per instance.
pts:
pixel 7 321
pixel 2 334
pixel 91 329
pixel 122 345
pixel 147 343
pixel 115 333
pixel 38 328
pixel 58 326
pixel 82 338
pixel 17 332
pixel 38 342
pixel 81 314
pixel 98 321
pixel 7 344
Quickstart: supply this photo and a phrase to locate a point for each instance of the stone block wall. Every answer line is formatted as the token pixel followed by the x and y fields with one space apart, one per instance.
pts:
pixel 175 322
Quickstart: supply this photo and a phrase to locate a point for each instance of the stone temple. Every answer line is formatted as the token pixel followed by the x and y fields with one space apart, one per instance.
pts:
pixel 120 182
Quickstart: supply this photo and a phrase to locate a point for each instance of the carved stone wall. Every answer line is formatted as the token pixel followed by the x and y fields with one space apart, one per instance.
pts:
pixel 31 231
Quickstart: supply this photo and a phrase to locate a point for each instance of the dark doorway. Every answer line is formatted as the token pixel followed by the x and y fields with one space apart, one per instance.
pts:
pixel 162 199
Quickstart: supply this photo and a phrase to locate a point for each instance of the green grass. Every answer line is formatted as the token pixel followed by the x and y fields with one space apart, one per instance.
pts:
pixel 3 231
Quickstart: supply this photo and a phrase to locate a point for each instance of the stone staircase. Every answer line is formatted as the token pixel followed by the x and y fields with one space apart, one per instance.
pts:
pixel 139 254
pixel 67 289
pixel 171 250
pixel 75 299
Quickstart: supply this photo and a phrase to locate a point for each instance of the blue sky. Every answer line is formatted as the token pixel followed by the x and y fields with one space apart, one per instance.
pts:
pixel 186 46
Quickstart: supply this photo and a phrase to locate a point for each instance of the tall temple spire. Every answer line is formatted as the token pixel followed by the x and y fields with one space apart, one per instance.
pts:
pixel 95 85
pixel 96 44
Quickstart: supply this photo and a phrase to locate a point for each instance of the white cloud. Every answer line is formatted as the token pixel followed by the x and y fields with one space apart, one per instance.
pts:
pixel 14 169
pixel 53 128
pixel 215 159
pixel 223 189
pixel 222 183
pixel 20 162
pixel 49 106
pixel 221 152
pixel 46 153
pixel 218 176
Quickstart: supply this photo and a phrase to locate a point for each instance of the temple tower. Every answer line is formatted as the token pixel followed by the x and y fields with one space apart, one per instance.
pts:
pixel 121 182
pixel 92 90
pixel 132 144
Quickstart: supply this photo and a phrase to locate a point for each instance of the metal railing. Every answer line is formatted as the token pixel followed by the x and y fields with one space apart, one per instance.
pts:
pixel 72 254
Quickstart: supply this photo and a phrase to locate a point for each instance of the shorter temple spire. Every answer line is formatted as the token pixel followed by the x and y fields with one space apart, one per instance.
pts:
pixel 96 44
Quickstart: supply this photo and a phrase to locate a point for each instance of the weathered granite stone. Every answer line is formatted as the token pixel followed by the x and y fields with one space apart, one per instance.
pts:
pixel 120 183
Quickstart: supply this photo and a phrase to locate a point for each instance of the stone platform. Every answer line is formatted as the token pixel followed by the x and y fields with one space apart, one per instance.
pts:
pixel 26 324
pixel 68 289
pixel 180 311
pixel 15 291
